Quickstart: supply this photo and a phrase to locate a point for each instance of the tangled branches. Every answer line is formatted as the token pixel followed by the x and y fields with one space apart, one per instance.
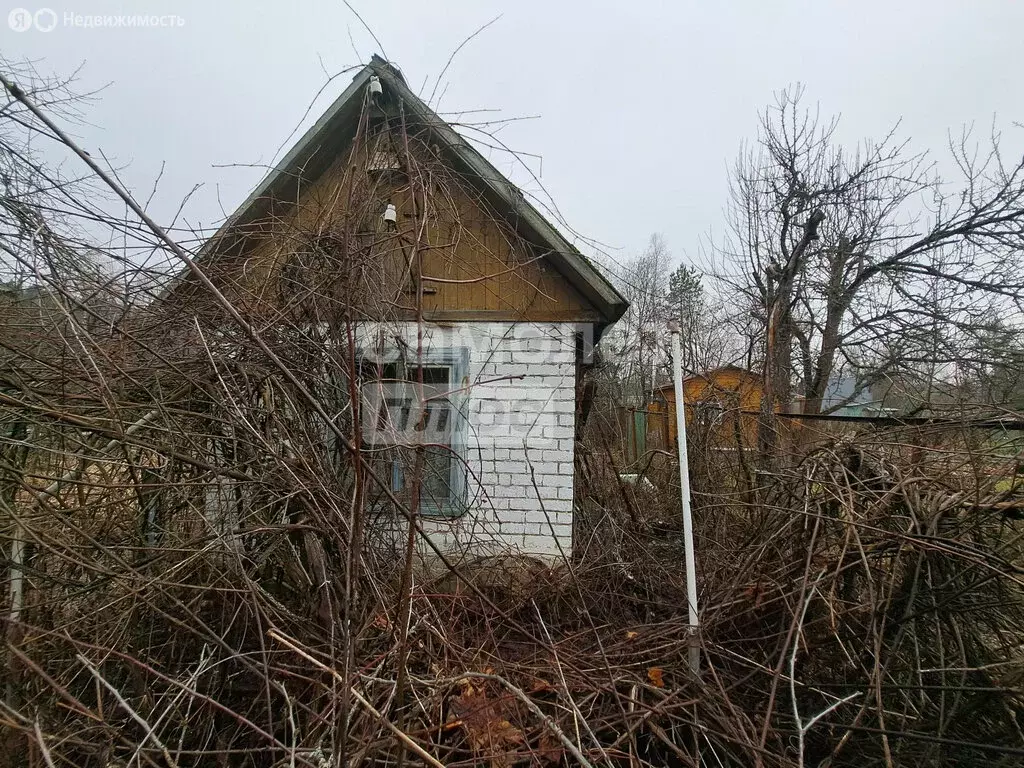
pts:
pixel 861 611
pixel 197 574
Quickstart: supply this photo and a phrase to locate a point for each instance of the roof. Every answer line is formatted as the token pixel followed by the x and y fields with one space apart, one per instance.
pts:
pixel 332 134
pixel 706 375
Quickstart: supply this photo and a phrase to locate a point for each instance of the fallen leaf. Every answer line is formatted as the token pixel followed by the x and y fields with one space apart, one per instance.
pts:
pixel 631 635
pixel 550 750
pixel 656 676
pixel 487 729
pixel 540 685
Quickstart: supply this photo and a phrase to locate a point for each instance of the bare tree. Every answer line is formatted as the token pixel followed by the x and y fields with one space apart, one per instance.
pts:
pixel 866 261
pixel 636 341
pixel 991 369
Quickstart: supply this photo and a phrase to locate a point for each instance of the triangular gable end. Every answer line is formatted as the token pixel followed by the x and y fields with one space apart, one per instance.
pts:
pixel 475 280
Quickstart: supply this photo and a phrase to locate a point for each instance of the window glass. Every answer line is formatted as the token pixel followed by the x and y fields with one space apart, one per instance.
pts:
pixel 412 420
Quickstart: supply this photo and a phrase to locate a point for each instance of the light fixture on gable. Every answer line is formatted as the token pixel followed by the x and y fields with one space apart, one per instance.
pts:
pixel 390 216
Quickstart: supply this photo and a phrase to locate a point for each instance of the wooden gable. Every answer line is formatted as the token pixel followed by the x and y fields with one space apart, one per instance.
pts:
pixel 312 228
pixel 478 268
pixel 735 387
pixel 472 263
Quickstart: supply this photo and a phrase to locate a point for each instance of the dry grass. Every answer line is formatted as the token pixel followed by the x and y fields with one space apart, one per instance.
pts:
pixel 861 581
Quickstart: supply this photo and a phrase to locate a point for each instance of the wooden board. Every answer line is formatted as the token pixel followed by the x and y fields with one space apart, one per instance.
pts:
pixel 474 266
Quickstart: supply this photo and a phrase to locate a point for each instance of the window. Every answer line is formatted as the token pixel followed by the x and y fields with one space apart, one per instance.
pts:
pixel 709 413
pixel 415 430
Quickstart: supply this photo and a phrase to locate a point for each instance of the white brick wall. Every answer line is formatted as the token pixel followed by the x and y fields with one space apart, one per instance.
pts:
pixel 519 456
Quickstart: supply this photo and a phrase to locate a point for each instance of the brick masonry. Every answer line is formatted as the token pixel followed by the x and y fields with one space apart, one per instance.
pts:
pixel 519 452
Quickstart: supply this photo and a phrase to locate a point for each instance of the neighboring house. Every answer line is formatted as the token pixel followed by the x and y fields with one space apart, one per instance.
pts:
pixel 721 409
pixel 843 399
pixel 722 405
pixel 486 385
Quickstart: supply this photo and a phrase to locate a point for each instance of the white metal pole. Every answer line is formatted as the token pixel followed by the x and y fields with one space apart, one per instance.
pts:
pixel 684 481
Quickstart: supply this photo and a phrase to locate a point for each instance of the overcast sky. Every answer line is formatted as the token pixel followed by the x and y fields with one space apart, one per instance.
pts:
pixel 642 106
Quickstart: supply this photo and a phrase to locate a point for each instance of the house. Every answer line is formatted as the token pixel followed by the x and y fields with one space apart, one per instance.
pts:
pixel 471 315
pixel 721 409
pixel 843 398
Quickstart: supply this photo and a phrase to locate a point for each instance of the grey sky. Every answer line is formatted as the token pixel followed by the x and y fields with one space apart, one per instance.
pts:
pixel 642 105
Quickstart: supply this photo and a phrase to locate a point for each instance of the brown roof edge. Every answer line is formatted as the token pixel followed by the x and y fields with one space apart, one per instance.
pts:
pixel 706 374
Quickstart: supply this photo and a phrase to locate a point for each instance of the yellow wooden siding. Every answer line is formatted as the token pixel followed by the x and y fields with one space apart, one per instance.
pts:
pixel 738 394
pixel 484 270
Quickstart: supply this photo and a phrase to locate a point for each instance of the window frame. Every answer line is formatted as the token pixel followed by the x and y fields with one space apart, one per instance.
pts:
pixel 456 359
